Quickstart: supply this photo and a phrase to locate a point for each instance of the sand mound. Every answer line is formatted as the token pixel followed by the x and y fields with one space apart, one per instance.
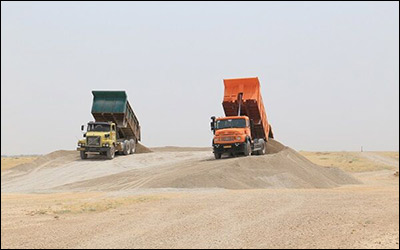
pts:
pixel 62 157
pixel 53 159
pixel 282 168
pixel 274 146
pixel 63 170
pixel 142 149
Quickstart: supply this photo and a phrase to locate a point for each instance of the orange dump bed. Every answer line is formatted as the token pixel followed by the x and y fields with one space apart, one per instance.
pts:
pixel 252 104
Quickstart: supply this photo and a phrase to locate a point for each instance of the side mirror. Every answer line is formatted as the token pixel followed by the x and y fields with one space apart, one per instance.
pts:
pixel 82 127
pixel 212 124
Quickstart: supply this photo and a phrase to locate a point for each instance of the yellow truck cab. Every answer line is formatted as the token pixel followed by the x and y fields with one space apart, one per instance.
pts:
pixel 100 137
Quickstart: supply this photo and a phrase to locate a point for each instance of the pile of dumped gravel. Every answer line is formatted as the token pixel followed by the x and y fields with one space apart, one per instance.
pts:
pixel 283 167
pixel 142 149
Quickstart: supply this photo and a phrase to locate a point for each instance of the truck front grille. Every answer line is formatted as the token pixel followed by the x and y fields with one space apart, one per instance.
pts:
pixel 227 138
pixel 93 140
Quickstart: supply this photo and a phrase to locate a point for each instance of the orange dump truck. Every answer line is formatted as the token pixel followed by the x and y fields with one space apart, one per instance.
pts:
pixel 245 128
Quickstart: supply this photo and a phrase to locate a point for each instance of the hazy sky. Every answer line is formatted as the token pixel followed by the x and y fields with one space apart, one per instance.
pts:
pixel 329 72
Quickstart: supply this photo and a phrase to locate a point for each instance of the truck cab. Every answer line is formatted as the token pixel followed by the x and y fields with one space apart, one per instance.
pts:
pixel 100 137
pixel 232 134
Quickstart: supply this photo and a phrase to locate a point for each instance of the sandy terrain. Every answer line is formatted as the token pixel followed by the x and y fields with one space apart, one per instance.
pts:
pixel 174 198
pixel 10 162
pixel 355 161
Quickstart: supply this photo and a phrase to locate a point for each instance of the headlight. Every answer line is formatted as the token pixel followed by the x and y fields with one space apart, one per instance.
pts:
pixel 106 144
pixel 238 138
pixel 79 144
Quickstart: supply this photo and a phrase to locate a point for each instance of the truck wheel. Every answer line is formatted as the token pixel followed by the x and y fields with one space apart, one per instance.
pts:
pixel 127 147
pixel 263 150
pixel 217 155
pixel 111 153
pixel 133 146
pixel 247 148
pixel 83 155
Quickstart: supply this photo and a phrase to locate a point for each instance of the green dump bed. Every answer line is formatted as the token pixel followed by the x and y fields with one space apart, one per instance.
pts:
pixel 113 106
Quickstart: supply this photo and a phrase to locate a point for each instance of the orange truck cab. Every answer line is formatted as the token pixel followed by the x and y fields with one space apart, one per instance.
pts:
pixel 245 128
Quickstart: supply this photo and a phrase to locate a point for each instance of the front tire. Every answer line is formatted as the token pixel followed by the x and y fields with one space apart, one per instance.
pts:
pixel 111 153
pixel 83 155
pixel 217 156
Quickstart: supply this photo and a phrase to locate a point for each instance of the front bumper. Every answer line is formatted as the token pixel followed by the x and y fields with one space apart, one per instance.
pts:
pixel 229 148
pixel 93 149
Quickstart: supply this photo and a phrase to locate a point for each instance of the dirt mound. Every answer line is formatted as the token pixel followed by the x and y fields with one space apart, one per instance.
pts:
pixel 53 159
pixel 282 168
pixel 274 146
pixel 142 149
pixel 63 157
pixel 63 170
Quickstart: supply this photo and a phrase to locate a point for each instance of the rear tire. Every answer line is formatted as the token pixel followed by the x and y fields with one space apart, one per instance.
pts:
pixel 132 146
pixel 263 150
pixel 247 148
pixel 83 155
pixel 111 153
pixel 127 147
pixel 217 156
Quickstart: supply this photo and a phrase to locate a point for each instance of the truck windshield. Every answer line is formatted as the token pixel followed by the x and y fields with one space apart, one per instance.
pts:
pixel 99 127
pixel 231 123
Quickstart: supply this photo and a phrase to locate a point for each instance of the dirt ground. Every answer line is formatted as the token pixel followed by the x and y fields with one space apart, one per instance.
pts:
pixel 173 198
pixel 10 162
pixel 355 161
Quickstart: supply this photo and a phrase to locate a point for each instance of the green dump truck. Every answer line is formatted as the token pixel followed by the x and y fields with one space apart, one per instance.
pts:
pixel 115 129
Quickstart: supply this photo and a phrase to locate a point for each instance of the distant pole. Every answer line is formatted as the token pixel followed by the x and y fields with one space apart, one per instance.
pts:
pixel 361 149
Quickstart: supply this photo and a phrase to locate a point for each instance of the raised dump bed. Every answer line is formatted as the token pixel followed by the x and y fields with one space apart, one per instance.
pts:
pixel 114 106
pixel 252 104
